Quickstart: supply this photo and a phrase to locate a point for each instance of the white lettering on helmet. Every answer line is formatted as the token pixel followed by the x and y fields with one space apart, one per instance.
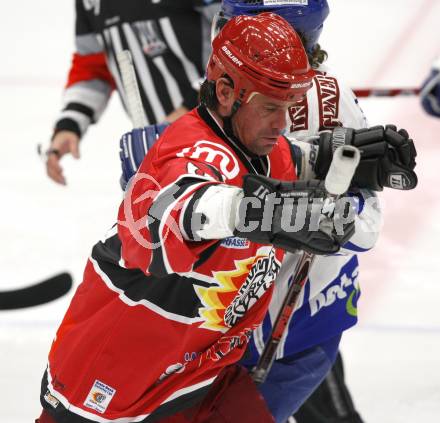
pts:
pixel 300 85
pixel 233 58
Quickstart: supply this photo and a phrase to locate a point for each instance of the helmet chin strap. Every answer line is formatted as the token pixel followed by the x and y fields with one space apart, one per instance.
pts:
pixel 227 120
pixel 238 102
pixel 235 107
pixel 227 127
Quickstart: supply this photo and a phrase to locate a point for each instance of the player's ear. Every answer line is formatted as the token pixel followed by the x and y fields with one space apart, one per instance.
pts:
pixel 224 92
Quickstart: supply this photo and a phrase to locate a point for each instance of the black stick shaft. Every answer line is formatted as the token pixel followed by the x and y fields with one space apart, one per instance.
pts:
pixel 37 294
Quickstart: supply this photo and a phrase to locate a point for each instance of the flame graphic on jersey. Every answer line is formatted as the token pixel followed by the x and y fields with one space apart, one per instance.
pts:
pixel 216 299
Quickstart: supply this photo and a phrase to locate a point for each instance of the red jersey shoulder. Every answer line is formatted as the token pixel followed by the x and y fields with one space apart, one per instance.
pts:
pixel 192 139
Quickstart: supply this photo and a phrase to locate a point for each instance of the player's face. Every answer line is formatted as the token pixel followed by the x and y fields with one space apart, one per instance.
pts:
pixel 260 121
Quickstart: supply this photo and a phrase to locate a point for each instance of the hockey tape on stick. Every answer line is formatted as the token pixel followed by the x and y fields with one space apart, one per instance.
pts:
pixel 345 161
pixel 134 101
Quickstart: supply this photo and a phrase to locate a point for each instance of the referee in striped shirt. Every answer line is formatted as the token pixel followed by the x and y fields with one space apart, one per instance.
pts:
pixel 169 41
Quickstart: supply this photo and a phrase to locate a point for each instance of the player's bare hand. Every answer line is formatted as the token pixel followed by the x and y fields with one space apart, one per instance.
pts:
pixel 64 142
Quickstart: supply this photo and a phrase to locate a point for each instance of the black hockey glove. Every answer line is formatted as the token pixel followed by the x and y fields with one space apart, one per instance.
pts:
pixel 387 156
pixel 289 215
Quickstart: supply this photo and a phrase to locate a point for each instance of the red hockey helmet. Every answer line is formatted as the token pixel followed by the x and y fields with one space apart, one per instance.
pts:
pixel 261 54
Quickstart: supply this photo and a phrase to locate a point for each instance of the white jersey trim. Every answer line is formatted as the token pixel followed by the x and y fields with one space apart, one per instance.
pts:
pixel 79 411
pixel 145 303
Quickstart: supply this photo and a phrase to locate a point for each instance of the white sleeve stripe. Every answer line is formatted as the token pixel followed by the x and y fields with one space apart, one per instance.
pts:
pixel 88 44
pixel 87 93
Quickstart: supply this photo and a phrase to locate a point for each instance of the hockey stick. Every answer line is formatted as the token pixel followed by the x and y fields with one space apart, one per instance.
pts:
pixel 386 92
pixel 345 161
pixel 40 293
pixel 134 102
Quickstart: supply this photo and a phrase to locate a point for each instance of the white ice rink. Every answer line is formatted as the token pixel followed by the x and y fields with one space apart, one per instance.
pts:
pixel 392 357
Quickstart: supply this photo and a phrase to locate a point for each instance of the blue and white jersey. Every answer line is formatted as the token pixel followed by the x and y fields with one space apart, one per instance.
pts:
pixel 328 304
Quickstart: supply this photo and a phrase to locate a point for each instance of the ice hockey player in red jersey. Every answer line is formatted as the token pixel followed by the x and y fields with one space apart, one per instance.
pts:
pixel 166 306
pixel 171 294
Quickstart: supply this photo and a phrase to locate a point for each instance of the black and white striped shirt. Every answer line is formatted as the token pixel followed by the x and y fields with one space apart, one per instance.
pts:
pixel 170 44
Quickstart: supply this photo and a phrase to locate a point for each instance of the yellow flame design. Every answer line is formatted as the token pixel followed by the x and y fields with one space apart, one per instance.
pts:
pixel 216 299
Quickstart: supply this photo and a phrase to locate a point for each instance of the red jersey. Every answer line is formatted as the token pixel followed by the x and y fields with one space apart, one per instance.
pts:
pixel 157 317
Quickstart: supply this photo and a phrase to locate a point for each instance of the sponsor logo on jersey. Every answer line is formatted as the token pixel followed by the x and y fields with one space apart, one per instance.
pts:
pixel 226 344
pixel 150 37
pixel 50 399
pixel 299 116
pixel 289 2
pixel 235 242
pixel 328 101
pixel 216 154
pixel 338 291
pixel 231 56
pixel 160 196
pixel 238 290
pixel 99 396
